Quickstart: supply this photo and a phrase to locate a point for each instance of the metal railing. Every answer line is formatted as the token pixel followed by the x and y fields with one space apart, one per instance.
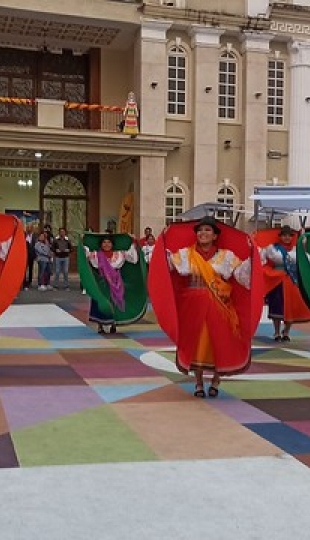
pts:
pixel 111 121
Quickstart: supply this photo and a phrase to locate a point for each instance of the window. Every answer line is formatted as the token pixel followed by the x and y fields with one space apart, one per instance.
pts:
pixel 31 74
pixel 228 72
pixel 174 203
pixel 276 75
pixel 177 80
pixel 225 195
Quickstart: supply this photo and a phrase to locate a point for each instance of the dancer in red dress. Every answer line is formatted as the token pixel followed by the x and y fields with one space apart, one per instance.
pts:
pixel 210 276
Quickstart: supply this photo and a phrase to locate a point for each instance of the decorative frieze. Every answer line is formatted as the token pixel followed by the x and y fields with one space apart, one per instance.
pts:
pixel 286 27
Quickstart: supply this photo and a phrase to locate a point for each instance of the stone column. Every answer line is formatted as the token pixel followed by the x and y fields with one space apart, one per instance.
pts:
pixel 206 44
pixel 152 93
pixel 150 196
pixel 299 130
pixel 255 49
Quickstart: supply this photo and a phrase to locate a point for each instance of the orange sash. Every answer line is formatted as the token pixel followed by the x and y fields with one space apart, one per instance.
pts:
pixel 220 289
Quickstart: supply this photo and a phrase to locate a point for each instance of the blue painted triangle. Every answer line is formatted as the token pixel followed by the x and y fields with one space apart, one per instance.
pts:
pixel 114 393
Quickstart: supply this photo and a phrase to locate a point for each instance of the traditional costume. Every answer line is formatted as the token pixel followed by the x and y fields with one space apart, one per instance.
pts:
pixel 115 280
pixel 208 303
pixel 147 250
pixel 280 276
pixel 131 114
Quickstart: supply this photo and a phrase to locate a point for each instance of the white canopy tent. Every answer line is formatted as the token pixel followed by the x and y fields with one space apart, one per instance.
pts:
pixel 219 210
pixel 270 203
pixel 293 201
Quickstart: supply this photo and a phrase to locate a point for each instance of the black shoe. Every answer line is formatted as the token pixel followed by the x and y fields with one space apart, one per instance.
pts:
pixel 113 329
pixel 199 391
pixel 285 337
pixel 277 338
pixel 213 391
pixel 101 330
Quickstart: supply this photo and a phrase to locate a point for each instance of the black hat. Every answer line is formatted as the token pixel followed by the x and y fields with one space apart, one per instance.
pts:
pixel 208 220
pixel 286 230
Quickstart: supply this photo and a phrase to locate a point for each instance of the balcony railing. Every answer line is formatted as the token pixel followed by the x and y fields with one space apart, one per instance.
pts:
pixel 111 121
pixel 49 113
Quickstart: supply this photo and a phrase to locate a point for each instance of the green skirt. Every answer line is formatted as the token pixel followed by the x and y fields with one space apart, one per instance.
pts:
pixel 303 267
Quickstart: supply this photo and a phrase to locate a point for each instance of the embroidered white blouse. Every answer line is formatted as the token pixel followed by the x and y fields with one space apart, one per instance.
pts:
pixel 224 262
pixel 4 248
pixel 274 255
pixel 118 258
pixel 148 252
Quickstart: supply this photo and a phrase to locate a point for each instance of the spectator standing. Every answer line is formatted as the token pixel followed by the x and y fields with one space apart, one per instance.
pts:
pixel 43 255
pixel 147 232
pixel 148 248
pixel 50 239
pixel 31 239
pixel 62 248
pixel 47 229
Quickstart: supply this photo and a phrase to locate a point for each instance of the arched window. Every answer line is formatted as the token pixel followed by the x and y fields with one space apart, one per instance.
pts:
pixel 276 87
pixel 226 195
pixel 228 75
pixel 177 80
pixel 175 199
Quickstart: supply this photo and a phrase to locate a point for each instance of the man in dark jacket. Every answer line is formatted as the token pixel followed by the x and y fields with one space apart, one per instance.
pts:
pixel 62 248
pixel 31 239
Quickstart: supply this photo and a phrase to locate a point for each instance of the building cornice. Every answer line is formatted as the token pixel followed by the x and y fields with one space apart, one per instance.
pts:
pixel 205 36
pixel 258 42
pixel 154 29
pixel 187 17
pixel 289 11
pixel 86 142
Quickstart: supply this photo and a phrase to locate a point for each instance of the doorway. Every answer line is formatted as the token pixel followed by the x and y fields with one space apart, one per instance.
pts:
pixel 64 204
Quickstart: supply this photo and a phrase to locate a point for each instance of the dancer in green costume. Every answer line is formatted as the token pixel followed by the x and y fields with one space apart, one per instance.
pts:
pixel 303 265
pixel 112 270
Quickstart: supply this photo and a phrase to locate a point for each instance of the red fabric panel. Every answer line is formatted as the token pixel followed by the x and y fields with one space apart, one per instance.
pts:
pixel 14 267
pixel 295 309
pixel 161 290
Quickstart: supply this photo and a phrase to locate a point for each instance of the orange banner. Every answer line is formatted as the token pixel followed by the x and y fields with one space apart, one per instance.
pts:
pixel 68 104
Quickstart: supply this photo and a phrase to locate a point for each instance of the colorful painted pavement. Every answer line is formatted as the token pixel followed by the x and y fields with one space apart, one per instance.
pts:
pixel 70 396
